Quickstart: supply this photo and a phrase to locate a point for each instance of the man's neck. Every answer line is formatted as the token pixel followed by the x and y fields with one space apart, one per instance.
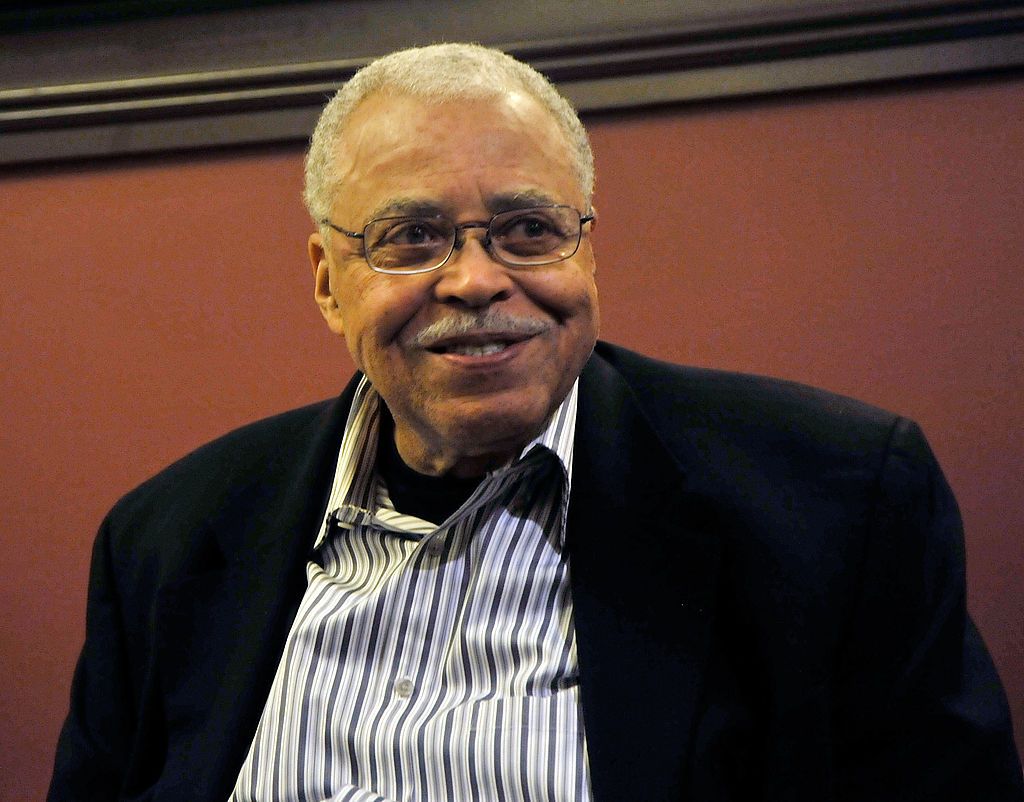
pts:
pixel 432 498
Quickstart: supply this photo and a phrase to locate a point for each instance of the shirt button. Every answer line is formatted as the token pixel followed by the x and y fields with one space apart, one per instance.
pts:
pixel 404 687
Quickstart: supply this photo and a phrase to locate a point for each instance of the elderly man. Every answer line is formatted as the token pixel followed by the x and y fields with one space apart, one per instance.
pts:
pixel 507 564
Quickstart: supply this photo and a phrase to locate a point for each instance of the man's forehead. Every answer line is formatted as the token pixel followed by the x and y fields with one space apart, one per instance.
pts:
pixel 408 156
pixel 407 119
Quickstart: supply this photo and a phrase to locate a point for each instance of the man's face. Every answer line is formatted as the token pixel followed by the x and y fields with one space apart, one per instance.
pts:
pixel 458 407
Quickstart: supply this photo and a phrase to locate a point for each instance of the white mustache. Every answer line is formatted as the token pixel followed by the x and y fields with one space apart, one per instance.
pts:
pixel 489 322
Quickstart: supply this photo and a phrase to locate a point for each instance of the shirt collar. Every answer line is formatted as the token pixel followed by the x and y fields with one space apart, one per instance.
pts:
pixel 354 473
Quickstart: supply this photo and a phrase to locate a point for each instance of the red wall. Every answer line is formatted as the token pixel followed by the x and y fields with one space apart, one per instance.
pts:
pixel 870 243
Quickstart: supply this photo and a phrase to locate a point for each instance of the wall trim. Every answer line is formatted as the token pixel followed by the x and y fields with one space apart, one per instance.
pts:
pixel 751 54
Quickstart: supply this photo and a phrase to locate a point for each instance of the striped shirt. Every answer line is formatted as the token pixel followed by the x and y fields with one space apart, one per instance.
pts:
pixel 431 663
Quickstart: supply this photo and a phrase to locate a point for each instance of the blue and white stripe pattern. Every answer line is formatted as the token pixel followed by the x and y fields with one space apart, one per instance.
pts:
pixel 431 663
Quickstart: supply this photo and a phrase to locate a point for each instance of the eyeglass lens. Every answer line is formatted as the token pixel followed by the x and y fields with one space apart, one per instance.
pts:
pixel 518 237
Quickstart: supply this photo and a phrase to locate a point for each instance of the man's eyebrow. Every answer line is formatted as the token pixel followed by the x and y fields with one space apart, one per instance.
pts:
pixel 523 199
pixel 407 207
pixel 420 207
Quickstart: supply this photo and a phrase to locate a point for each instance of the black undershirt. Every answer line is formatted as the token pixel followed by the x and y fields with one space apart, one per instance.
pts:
pixel 432 498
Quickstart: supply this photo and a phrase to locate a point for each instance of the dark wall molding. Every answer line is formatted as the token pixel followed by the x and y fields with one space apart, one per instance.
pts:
pixel 241 77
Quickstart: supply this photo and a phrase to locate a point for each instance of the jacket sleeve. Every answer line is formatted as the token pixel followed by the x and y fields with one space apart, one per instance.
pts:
pixel 93 749
pixel 921 714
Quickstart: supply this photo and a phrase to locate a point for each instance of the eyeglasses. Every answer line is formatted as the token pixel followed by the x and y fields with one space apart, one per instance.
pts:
pixel 541 235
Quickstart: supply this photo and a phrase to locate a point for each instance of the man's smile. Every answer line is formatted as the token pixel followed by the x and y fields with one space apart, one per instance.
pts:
pixel 477 343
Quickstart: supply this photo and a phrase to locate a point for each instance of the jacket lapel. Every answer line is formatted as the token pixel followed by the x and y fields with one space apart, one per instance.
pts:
pixel 644 568
pixel 223 625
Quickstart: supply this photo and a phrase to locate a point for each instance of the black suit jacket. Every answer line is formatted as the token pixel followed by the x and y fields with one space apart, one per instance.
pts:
pixel 768 586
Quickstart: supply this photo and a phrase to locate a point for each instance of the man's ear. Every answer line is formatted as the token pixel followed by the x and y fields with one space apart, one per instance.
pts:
pixel 322 284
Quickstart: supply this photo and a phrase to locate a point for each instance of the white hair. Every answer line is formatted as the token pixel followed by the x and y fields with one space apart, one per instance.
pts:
pixel 441 72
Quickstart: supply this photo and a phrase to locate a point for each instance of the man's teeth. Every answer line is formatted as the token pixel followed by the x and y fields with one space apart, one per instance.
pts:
pixel 476 350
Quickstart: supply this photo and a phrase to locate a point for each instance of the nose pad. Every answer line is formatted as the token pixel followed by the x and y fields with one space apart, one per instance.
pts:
pixel 485 240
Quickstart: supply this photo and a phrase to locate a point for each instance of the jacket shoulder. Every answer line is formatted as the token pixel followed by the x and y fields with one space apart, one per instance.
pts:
pixel 216 468
pixel 732 407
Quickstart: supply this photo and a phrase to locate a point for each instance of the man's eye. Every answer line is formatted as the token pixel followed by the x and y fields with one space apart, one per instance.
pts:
pixel 412 232
pixel 535 228
pixel 530 227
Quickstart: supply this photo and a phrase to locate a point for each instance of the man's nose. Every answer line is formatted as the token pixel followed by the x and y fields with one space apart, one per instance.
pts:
pixel 471 276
